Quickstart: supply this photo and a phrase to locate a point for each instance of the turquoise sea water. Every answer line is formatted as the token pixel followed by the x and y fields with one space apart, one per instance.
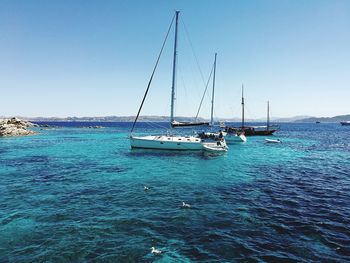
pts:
pixel 74 194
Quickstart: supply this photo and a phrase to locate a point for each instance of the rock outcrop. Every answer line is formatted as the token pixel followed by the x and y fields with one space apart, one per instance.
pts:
pixel 15 127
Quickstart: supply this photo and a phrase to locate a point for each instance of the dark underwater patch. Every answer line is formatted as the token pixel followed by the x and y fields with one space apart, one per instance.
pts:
pixel 114 169
pixel 27 160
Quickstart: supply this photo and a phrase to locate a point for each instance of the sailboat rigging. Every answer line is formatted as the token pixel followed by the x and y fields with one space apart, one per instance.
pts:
pixel 197 123
pixel 173 122
pixel 213 93
pixel 242 107
pixel 261 130
pixel 268 116
pixel 151 78
pixel 229 135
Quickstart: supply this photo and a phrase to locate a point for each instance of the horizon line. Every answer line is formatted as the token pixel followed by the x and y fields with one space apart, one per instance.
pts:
pixel 164 116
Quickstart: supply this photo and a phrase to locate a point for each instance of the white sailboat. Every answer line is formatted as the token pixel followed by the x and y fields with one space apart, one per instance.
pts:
pixel 230 137
pixel 172 142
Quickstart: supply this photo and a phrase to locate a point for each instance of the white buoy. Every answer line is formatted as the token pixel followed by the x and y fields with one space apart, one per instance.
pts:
pixel 156 251
pixel 184 205
pixel 146 188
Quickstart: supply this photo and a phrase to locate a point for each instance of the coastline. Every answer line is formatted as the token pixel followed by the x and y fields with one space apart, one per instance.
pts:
pixel 156 118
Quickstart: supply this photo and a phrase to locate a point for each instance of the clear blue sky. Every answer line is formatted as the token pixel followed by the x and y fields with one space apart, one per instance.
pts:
pixel 94 58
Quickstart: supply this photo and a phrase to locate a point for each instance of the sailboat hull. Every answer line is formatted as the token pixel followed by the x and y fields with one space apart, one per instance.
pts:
pixel 166 142
pixel 252 131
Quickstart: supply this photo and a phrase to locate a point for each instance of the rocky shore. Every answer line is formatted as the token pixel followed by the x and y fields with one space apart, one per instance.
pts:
pixel 15 127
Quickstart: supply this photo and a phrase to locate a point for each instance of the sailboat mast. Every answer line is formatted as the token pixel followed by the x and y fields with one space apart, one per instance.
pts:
pixel 174 69
pixel 242 108
pixel 268 115
pixel 212 96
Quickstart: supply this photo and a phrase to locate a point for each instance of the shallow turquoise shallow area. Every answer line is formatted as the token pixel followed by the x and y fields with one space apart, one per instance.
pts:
pixel 73 194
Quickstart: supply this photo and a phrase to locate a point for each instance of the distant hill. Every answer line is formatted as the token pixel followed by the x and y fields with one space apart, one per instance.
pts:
pixel 291 119
pixel 276 119
pixel 109 119
pixel 158 119
pixel 327 119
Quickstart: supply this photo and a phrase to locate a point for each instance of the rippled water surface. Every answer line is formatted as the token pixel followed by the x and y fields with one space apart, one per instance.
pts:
pixel 73 194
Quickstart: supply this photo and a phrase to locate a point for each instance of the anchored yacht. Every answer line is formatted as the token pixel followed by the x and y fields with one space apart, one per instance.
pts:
pixel 171 141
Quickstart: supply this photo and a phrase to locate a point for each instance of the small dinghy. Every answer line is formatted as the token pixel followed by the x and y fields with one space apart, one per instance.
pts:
pixel 242 137
pixel 214 148
pixel 273 141
pixel 233 137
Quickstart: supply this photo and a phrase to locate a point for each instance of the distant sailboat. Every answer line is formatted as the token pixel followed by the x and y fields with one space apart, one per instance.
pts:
pixel 195 123
pixel 254 130
pixel 261 130
pixel 173 142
